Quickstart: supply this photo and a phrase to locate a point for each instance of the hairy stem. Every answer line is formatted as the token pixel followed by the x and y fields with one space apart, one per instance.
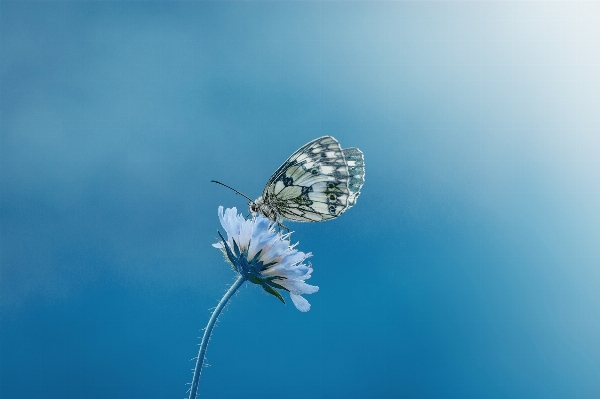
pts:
pixel 205 338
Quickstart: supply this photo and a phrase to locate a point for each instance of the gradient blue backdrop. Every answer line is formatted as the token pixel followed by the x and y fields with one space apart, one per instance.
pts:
pixel 468 269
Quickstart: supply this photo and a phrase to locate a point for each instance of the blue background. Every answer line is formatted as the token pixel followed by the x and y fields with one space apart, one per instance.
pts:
pixel 469 267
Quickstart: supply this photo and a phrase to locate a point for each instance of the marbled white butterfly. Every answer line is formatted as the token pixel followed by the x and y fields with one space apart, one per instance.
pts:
pixel 318 182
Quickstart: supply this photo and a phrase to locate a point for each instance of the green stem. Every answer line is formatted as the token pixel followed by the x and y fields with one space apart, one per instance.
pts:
pixel 205 338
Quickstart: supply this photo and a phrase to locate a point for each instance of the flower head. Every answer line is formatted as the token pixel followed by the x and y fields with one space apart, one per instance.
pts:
pixel 265 257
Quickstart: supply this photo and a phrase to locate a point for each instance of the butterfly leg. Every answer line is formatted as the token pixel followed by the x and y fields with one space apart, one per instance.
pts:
pixel 281 226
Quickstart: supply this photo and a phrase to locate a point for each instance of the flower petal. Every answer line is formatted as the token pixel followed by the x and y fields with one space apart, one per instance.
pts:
pixel 298 287
pixel 300 303
pixel 301 272
pixel 275 250
pixel 289 267
pixel 245 234
pixel 261 236
pixel 291 258
pixel 228 219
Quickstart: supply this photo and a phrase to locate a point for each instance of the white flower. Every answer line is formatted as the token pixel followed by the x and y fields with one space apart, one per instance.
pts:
pixel 265 257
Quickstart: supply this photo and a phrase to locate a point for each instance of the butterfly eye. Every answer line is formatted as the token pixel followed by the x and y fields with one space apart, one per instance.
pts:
pixel 332 197
pixel 314 171
pixel 331 208
pixel 331 185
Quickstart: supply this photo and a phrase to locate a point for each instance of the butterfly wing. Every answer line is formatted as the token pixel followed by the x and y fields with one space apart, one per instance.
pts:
pixel 355 160
pixel 312 185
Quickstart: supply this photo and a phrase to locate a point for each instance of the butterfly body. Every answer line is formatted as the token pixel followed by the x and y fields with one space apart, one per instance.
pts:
pixel 318 182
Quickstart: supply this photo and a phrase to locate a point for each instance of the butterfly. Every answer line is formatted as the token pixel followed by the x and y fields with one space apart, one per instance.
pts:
pixel 318 182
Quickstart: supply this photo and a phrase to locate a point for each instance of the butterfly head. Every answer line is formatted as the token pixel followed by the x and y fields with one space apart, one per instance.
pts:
pixel 265 209
pixel 253 207
pixel 256 206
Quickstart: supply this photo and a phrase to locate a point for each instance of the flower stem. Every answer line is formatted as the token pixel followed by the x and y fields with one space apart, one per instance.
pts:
pixel 211 323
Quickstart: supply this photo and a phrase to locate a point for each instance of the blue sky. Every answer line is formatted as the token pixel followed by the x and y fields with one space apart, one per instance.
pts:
pixel 467 269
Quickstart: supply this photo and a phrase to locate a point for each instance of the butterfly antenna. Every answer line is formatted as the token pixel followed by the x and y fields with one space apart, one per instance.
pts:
pixel 231 188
